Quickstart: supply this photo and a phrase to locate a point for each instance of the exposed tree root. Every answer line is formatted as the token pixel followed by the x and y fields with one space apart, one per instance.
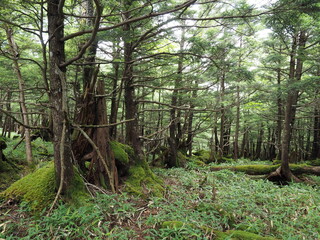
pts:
pixel 282 178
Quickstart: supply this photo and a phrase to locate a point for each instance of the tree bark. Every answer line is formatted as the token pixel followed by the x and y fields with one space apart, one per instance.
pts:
pixel 58 96
pixel 315 152
pixel 116 92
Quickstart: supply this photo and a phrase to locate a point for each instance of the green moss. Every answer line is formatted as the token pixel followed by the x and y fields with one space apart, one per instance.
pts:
pixel 202 155
pixel 120 152
pixel 77 194
pixel 181 159
pixel 172 224
pixel 143 182
pixel 37 189
pixel 198 162
pixel 255 169
pixel 276 161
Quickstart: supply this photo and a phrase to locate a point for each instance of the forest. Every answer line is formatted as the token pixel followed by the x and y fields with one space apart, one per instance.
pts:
pixel 160 119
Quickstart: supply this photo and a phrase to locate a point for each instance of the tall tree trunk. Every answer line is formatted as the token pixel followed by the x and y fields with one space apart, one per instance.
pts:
pixel 23 107
pixel 222 118
pixel 237 128
pixel 116 92
pixel 296 65
pixel 174 129
pixel 132 130
pixel 58 96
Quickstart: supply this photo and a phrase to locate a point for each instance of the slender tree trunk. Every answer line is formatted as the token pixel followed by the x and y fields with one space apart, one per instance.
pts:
pixel 259 143
pixel 223 117
pixel 190 122
pixel 237 128
pixel 23 107
pixel 116 93
pixel 58 96
pixel 279 116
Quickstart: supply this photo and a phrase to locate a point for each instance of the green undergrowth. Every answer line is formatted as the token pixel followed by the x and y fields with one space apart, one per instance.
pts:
pixel 215 234
pixel 42 151
pixel 197 204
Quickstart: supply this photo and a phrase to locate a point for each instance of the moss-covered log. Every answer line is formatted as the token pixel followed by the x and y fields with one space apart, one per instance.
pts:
pixel 296 169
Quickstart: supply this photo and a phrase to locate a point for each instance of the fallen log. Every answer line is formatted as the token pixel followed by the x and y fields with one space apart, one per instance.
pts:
pixel 296 169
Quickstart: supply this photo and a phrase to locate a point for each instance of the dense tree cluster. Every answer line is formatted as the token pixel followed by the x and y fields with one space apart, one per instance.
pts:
pixel 165 77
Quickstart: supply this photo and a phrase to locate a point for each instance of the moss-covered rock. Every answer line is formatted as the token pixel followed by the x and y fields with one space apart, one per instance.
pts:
pixel 143 182
pixel 37 189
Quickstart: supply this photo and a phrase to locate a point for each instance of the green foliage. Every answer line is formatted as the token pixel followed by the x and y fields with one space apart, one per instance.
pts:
pixel 242 208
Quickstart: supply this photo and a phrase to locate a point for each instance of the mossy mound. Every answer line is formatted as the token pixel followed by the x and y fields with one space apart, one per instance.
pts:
pixel 219 235
pixel 37 189
pixel 202 155
pixel 143 182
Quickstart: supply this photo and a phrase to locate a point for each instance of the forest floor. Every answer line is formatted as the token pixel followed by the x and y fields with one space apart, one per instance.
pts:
pixel 196 200
pixel 197 203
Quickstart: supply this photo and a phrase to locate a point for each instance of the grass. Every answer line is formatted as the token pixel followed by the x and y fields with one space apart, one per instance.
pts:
pixel 197 201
